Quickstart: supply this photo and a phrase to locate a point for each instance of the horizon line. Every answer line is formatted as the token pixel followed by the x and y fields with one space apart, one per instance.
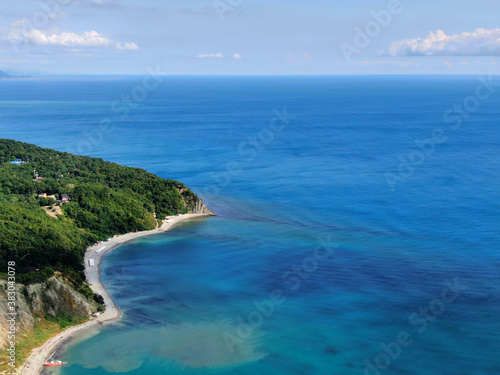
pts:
pixel 244 75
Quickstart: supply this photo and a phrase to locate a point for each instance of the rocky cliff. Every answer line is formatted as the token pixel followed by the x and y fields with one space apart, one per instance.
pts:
pixel 53 297
pixel 194 204
pixel 198 207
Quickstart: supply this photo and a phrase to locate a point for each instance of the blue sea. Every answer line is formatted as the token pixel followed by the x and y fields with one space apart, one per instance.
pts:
pixel 357 228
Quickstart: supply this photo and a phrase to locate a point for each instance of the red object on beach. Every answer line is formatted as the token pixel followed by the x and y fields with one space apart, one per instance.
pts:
pixel 54 363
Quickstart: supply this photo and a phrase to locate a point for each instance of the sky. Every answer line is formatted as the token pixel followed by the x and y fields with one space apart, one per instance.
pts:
pixel 250 37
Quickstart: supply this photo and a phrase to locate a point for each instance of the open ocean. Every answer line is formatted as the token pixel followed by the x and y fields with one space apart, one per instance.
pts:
pixel 357 228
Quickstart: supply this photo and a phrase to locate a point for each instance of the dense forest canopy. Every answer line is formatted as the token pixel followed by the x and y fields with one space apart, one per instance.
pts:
pixel 89 200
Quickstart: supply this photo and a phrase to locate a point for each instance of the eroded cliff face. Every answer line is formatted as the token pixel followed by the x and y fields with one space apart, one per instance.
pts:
pixel 198 207
pixel 193 203
pixel 53 297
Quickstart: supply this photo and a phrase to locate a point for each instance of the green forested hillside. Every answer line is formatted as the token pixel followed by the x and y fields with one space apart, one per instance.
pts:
pixel 105 199
pixel 33 239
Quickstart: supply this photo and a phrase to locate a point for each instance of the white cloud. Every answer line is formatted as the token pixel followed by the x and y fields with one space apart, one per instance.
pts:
pixel 18 23
pixel 127 46
pixel 20 35
pixel 13 61
pixel 447 63
pixel 68 39
pixel 102 4
pixel 298 58
pixel 480 42
pixel 211 56
pixel 57 16
pixel 392 63
pixel 236 56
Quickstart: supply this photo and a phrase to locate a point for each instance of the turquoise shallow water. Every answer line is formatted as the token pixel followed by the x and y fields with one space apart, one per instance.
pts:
pixel 307 218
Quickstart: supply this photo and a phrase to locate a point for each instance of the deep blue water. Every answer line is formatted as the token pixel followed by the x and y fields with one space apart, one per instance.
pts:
pixel 317 208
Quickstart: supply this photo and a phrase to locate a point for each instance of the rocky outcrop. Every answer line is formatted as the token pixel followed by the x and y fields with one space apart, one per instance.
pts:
pixel 198 207
pixel 53 297
pixel 56 298
pixel 194 204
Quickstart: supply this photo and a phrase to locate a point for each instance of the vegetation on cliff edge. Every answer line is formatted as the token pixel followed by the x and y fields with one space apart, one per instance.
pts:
pixel 98 199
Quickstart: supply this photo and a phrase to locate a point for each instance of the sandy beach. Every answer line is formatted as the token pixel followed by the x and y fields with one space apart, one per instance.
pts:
pixel 34 363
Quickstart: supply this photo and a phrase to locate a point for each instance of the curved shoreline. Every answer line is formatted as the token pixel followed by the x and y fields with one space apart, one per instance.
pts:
pixel 34 363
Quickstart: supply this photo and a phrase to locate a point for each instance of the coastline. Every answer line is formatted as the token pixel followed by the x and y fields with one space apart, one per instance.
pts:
pixel 33 365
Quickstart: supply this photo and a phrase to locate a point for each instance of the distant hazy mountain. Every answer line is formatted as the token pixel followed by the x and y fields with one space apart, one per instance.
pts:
pixel 5 75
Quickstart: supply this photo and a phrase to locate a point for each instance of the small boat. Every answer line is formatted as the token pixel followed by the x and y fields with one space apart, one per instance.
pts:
pixel 55 363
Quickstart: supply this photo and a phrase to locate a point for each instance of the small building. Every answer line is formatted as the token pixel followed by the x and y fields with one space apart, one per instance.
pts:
pixel 65 198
